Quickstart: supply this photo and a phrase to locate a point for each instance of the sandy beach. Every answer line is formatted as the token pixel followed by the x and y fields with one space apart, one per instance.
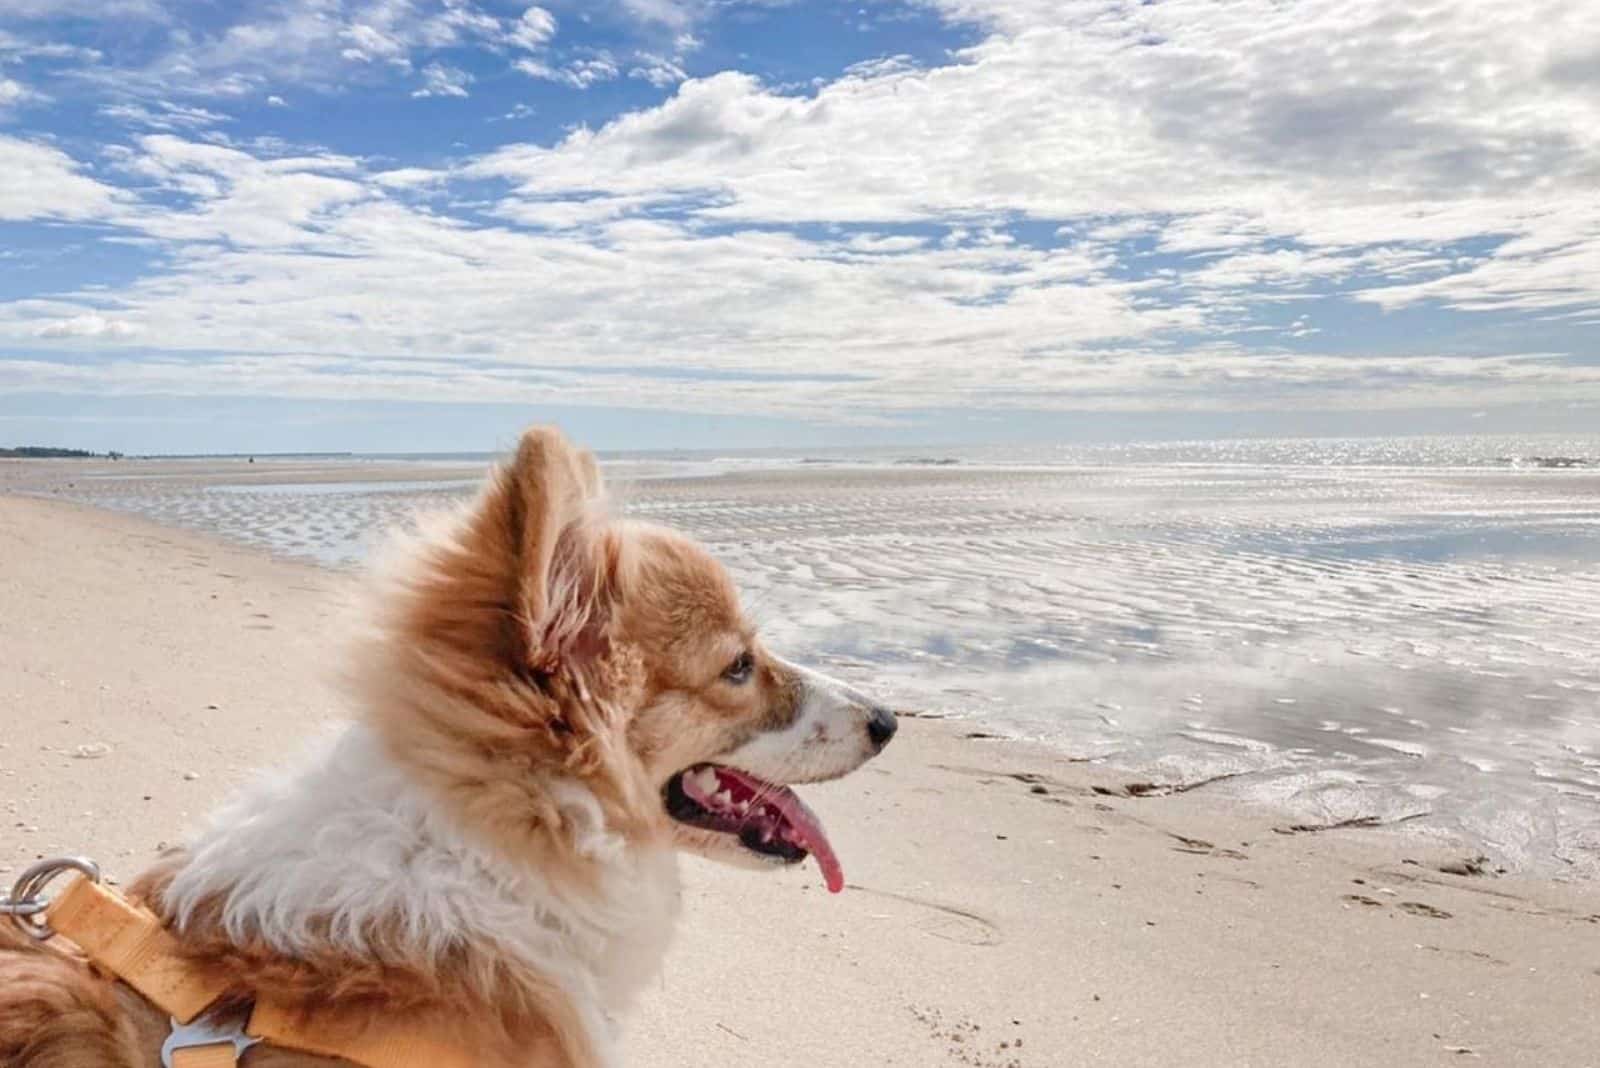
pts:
pixel 1183 415
pixel 1007 905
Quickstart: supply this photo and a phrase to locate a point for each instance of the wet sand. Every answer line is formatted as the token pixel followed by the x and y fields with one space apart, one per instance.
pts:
pixel 1416 645
pixel 1007 906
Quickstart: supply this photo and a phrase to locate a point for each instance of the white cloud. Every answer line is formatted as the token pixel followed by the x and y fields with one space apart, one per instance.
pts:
pixel 13 48
pixel 86 326
pixel 518 111
pixel 885 243
pixel 241 199
pixel 39 181
pixel 1216 127
pixel 1552 265
pixel 320 286
pixel 567 213
pixel 659 71
pixel 164 115
pixel 1189 163
pixel 440 80
pixel 317 44
pixel 86 9
pixel 457 22
pixel 366 43
pixel 675 14
pixel 276 101
pixel 578 73
pixel 881 66
pixel 13 92
pixel 533 30
pixel 410 178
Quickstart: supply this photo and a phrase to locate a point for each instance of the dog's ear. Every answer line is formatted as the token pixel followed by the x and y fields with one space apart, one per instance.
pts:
pixel 559 566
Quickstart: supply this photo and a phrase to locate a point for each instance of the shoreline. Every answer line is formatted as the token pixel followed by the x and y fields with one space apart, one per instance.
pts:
pixel 997 891
pixel 1215 636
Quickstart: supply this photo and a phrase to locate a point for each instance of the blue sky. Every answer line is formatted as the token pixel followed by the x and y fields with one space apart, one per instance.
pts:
pixel 417 224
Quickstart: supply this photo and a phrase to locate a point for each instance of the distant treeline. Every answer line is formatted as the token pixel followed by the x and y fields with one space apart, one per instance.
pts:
pixel 46 452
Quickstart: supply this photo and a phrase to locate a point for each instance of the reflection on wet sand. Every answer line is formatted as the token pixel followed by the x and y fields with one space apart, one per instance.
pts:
pixel 1401 642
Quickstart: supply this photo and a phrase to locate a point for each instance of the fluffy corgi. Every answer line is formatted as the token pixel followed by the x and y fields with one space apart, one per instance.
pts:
pixel 551 703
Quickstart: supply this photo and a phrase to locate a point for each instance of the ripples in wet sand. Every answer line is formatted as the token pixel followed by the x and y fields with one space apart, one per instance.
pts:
pixel 1409 644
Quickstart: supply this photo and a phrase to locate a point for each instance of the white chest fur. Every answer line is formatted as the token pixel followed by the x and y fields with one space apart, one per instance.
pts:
pixel 346 847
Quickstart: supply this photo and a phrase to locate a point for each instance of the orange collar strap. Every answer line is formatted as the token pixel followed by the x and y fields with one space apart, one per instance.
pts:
pixel 398 1046
pixel 130 942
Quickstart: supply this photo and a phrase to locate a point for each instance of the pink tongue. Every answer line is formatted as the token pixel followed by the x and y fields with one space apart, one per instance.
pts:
pixel 806 829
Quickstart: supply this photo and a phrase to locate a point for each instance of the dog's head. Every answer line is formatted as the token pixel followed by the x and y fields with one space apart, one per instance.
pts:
pixel 724 725
pixel 555 643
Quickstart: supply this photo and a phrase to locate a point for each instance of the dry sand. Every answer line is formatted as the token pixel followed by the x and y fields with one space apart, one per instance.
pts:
pixel 1001 910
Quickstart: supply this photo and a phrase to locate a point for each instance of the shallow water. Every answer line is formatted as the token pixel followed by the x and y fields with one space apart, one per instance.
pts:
pixel 1402 630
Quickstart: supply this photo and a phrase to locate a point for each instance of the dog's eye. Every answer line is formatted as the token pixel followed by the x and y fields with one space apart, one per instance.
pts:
pixel 739 671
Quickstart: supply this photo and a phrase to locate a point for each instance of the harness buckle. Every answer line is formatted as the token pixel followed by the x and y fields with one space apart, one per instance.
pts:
pixel 26 901
pixel 206 1031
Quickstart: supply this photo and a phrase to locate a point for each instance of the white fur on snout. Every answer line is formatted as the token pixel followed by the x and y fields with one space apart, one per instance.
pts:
pixel 827 739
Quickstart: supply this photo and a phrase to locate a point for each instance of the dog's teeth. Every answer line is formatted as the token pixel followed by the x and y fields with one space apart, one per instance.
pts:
pixel 724 798
pixel 742 807
pixel 706 779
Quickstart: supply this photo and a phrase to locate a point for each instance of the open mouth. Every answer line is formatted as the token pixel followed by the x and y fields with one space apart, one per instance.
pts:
pixel 766 818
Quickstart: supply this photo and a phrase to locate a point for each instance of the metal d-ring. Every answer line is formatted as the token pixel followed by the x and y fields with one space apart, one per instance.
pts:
pixel 26 899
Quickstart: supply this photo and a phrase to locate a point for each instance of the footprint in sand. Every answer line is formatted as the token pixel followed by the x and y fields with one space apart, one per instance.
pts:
pixel 1033 780
pixel 1468 954
pixel 943 921
pixel 1203 848
pixel 1417 908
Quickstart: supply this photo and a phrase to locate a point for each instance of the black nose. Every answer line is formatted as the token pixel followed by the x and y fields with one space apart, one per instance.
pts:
pixel 881 727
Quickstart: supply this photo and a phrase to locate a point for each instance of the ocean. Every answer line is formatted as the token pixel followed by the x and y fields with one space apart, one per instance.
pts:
pixel 1386 631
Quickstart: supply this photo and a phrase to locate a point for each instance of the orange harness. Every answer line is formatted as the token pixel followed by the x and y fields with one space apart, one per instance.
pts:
pixel 130 942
